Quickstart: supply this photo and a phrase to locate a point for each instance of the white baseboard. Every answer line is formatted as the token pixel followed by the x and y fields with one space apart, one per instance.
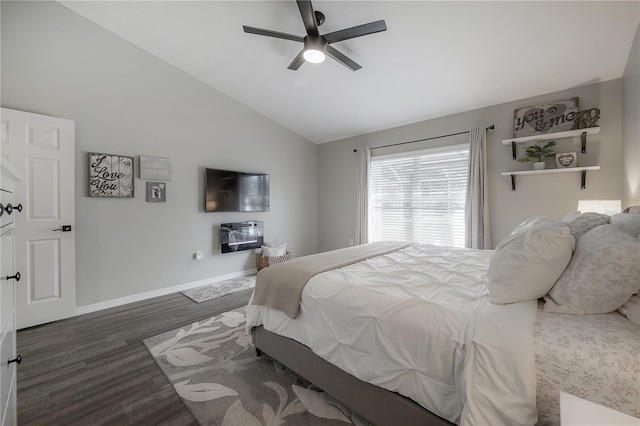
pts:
pixel 86 309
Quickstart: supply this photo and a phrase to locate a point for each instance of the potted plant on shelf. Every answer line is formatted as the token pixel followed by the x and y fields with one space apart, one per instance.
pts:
pixel 536 154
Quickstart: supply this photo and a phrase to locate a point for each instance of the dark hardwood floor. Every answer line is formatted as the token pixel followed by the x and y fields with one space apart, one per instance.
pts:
pixel 93 369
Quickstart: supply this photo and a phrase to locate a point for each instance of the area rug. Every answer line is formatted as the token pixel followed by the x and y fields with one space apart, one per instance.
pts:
pixel 213 367
pixel 211 291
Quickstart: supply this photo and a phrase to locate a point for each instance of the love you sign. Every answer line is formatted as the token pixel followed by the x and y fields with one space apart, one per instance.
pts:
pixel 110 175
pixel 566 160
pixel 558 116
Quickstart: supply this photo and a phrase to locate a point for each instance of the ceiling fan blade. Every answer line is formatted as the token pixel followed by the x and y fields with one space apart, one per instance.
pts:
pixel 270 33
pixel 308 17
pixel 357 31
pixel 344 60
pixel 299 60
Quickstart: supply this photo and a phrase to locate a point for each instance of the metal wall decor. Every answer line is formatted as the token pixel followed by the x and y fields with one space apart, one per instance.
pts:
pixel 110 175
pixel 587 118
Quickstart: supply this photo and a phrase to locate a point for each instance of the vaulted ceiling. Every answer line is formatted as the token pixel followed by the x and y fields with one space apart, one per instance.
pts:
pixel 435 59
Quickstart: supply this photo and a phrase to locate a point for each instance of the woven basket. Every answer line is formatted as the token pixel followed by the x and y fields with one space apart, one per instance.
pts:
pixel 264 261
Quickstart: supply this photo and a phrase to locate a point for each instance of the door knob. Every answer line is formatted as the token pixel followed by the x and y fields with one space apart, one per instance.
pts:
pixel 13 277
pixel 17 360
pixel 64 228
pixel 9 208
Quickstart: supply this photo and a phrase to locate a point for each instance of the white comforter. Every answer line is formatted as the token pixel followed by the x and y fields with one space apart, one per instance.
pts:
pixel 418 321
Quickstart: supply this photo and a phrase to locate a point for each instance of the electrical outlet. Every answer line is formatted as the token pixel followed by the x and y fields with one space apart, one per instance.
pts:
pixel 350 241
pixel 198 255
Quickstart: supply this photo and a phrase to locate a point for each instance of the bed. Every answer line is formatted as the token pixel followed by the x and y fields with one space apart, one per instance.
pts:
pixel 422 334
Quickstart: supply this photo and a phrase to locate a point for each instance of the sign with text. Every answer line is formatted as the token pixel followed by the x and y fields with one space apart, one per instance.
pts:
pixel 566 160
pixel 110 175
pixel 554 117
pixel 155 168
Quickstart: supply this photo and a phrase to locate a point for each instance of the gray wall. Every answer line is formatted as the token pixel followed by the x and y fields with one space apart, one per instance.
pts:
pixel 550 194
pixel 125 101
pixel 631 127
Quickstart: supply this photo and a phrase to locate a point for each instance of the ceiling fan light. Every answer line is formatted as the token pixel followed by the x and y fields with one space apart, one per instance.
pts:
pixel 314 56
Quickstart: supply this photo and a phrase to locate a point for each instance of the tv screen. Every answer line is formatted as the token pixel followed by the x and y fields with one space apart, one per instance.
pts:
pixel 229 191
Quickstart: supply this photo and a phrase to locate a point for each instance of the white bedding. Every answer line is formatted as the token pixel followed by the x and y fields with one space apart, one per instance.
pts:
pixel 418 321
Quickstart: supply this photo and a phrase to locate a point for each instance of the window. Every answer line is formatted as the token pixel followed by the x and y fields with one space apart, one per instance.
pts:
pixel 420 196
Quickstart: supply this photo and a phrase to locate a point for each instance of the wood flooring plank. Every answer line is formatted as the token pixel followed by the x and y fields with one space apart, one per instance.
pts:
pixel 102 402
pixel 93 369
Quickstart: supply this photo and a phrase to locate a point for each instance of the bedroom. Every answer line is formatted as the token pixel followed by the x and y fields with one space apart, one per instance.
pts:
pixel 121 98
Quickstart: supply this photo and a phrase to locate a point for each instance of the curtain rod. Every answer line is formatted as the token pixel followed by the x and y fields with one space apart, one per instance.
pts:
pixel 426 139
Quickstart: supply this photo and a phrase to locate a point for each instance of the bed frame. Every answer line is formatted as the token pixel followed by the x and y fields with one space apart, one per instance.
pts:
pixel 378 405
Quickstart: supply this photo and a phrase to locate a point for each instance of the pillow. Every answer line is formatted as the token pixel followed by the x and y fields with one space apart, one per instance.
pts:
pixel 570 217
pixel 528 262
pixel 276 249
pixel 631 309
pixel 586 222
pixel 630 222
pixel 535 221
pixel 632 210
pixel 602 275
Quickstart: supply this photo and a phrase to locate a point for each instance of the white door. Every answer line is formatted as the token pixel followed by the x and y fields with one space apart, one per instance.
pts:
pixel 42 149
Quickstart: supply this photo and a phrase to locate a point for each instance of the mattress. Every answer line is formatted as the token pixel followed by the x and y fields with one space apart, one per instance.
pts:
pixel 418 321
pixel 595 357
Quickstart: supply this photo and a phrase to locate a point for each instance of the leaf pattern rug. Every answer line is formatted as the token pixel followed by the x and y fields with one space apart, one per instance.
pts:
pixel 211 291
pixel 213 366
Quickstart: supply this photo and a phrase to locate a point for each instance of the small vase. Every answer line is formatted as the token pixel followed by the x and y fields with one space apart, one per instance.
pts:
pixel 538 166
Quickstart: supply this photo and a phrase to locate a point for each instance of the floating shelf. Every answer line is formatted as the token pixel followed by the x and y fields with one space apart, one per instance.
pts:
pixel 557 135
pixel 583 171
pixel 547 171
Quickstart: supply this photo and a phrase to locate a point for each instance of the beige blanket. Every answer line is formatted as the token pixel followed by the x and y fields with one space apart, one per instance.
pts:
pixel 280 286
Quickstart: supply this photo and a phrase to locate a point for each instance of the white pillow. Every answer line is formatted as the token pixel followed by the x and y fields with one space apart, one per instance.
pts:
pixel 602 275
pixel 536 221
pixel 630 222
pixel 632 210
pixel 528 262
pixel 570 217
pixel 274 249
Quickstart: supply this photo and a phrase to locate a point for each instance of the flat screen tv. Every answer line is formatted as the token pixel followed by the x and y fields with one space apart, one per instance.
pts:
pixel 230 191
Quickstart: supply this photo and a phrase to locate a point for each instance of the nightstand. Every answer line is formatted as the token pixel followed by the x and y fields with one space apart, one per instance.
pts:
pixel 576 411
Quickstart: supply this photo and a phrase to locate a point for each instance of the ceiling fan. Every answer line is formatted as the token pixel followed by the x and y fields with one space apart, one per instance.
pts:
pixel 316 45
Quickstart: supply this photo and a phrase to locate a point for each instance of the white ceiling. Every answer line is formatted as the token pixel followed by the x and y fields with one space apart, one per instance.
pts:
pixel 435 59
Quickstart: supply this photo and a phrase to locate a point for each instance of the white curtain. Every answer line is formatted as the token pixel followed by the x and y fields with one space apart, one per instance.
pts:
pixel 362 209
pixel 478 235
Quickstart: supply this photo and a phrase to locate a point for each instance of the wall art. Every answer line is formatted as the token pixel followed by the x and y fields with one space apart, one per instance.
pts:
pixel 587 118
pixel 110 175
pixel 155 168
pixel 566 160
pixel 156 192
pixel 553 117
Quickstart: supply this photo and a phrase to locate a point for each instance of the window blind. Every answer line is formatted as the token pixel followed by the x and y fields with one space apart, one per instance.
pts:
pixel 420 196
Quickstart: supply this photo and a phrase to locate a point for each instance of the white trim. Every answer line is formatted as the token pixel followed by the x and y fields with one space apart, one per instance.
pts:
pixel 86 309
